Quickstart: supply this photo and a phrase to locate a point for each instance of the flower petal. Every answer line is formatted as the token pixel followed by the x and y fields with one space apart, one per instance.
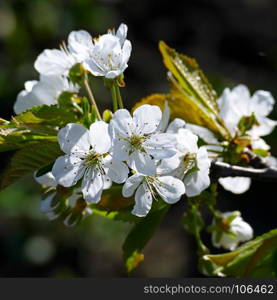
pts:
pixel 147 118
pixel 74 138
pixel 236 185
pixel 160 145
pixel 143 201
pixel 122 123
pixel 121 33
pixel 205 134
pixel 170 188
pixel 116 170
pixel 54 62
pixel 196 182
pixel 67 173
pixel 131 185
pixel 92 186
pixel 99 137
pixel 165 118
pixel 175 125
pixel 80 43
pixel 262 103
pixel 142 163
pixel 46 179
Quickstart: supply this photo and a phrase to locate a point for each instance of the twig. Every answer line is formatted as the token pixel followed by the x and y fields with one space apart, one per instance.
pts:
pixel 221 169
pixel 91 98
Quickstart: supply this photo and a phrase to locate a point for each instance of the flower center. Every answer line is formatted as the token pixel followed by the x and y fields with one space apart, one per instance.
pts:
pixel 92 159
pixel 136 141
pixel 189 163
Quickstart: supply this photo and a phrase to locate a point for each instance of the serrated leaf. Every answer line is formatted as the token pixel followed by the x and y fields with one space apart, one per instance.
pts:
pixel 139 235
pixel 46 115
pixel 253 259
pixel 193 95
pixel 28 160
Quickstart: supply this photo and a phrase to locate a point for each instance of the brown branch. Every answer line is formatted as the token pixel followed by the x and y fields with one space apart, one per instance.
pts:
pixel 221 169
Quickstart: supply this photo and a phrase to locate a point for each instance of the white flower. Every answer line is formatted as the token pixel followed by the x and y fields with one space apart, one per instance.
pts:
pixel 234 231
pixel 109 54
pixel 43 92
pixel 59 62
pixel 137 141
pixel 236 103
pixel 147 188
pixel 87 157
pixel 191 164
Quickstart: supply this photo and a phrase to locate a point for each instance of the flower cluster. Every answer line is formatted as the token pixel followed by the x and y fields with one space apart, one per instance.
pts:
pixel 235 106
pixel 163 164
pixel 143 153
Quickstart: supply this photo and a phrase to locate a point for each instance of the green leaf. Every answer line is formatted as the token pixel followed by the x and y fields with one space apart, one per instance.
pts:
pixel 28 160
pixel 193 98
pixel 37 124
pixel 256 258
pixel 45 115
pixel 139 235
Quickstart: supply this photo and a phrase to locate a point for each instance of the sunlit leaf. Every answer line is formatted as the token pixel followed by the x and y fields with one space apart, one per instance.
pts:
pixel 253 259
pixel 28 160
pixel 192 94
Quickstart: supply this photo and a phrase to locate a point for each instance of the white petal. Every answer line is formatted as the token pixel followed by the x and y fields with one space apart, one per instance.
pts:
pixel 242 229
pixel 99 137
pixel 53 62
pixel 126 53
pixel 66 173
pixel 236 185
pixel 121 33
pixel 170 189
pixel 228 242
pixel 131 185
pixel 266 126
pixel 116 170
pixel 46 204
pixel 92 186
pixel 122 123
pixel 196 182
pixel 205 134
pixel 80 43
pixel 143 201
pixel 120 149
pixel 170 164
pixel 142 163
pixel 175 125
pixel 46 179
pixel 24 101
pixel 91 66
pixel 202 159
pixel 187 141
pixel 262 103
pixel 113 74
pixel 74 137
pixel 165 118
pixel 30 84
pixel 161 145
pixel 147 118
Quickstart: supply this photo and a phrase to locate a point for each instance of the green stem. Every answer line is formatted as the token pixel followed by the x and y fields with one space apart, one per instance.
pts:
pixel 91 98
pixel 118 96
pixel 114 96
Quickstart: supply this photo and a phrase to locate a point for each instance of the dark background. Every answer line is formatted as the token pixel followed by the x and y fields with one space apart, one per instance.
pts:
pixel 233 41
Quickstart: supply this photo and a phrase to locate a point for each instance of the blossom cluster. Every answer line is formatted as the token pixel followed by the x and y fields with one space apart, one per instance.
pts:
pixel 162 164
pixel 149 156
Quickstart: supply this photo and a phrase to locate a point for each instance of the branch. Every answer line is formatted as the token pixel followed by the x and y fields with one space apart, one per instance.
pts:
pixel 221 169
